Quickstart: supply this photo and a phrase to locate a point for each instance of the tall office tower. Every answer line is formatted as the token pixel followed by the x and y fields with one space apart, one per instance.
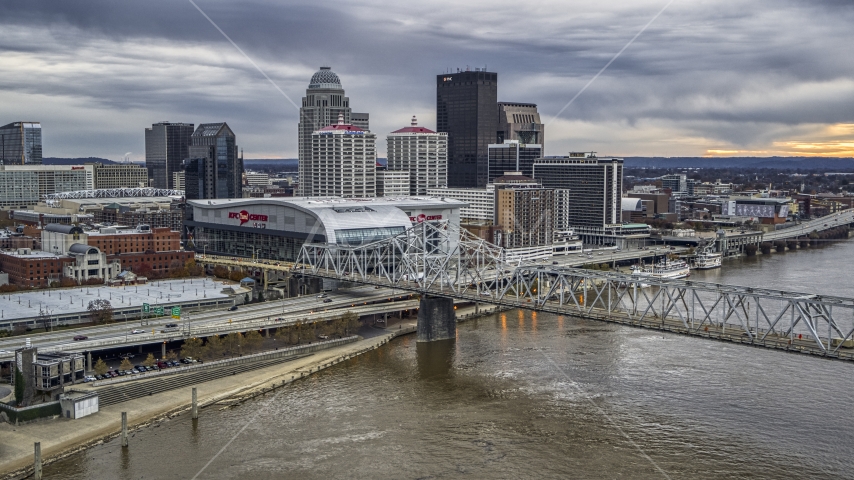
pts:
pixel 591 188
pixel 520 121
pixel 21 143
pixel 323 103
pixel 214 169
pixel 421 152
pixel 166 146
pixel 344 162
pixel 513 156
pixel 466 109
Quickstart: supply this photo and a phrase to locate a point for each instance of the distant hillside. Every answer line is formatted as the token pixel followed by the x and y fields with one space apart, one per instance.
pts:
pixel 787 163
pixel 74 161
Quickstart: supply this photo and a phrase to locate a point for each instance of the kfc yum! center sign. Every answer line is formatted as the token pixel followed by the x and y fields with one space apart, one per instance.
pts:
pixel 258 220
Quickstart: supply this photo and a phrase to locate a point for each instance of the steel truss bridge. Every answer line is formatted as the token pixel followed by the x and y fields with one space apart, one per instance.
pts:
pixel 54 198
pixel 444 260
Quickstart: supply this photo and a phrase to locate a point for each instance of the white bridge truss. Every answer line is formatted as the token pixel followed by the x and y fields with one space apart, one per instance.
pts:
pixel 54 198
pixel 444 260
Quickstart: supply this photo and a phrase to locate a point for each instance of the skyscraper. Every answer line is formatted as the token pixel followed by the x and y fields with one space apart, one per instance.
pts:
pixel 589 189
pixel 21 143
pixel 214 169
pixel 421 152
pixel 166 146
pixel 467 110
pixel 323 103
pixel 512 156
pixel 344 160
pixel 520 121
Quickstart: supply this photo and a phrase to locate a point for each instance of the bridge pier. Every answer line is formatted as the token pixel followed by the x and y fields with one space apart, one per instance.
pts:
pixel 436 319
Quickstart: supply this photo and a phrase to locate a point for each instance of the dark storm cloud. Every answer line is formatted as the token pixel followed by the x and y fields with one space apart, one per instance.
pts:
pixel 708 73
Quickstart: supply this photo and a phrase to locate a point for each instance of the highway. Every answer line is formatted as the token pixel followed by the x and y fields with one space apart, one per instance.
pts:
pixel 252 316
pixel 837 219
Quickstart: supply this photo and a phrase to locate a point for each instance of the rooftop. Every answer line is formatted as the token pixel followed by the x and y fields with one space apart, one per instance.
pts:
pixel 331 202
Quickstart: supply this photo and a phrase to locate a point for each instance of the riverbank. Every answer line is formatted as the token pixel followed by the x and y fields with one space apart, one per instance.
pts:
pixel 61 438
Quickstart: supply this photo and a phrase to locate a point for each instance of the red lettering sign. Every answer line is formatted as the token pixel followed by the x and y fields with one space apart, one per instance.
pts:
pixel 424 218
pixel 245 216
pixel 77 168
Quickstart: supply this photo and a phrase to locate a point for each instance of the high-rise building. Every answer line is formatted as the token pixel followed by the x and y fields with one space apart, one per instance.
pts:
pixel 178 180
pixel 520 121
pixel 676 182
pixel 466 109
pixel 392 183
pixel 360 120
pixel 166 146
pixel 513 156
pixel 214 169
pixel 524 212
pixel 589 188
pixel 323 103
pixel 343 160
pixel 21 143
pixel 120 175
pixel 421 152
pixel 25 185
pixel 479 203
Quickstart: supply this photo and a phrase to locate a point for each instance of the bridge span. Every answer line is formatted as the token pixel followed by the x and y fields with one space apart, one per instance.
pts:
pixel 444 261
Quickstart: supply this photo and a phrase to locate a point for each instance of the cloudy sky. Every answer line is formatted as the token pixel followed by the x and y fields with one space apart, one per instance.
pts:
pixel 706 78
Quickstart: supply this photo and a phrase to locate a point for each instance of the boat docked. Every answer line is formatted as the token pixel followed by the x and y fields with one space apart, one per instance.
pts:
pixel 707 260
pixel 664 269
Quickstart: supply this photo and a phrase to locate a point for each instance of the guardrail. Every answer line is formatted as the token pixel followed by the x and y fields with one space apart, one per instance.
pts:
pixel 285 352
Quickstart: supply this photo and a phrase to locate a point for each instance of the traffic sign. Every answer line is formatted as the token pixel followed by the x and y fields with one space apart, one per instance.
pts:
pixel 146 308
pixel 158 310
pixel 176 312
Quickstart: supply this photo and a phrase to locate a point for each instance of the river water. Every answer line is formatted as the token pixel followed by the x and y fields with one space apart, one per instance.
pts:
pixel 527 395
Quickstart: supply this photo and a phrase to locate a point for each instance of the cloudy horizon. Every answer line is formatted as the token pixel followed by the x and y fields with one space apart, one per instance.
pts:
pixel 706 78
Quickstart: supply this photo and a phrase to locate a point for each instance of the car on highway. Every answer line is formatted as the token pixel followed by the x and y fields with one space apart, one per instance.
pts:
pixel 322 295
pixel 136 331
pixel 232 308
pixel 327 300
pixel 80 337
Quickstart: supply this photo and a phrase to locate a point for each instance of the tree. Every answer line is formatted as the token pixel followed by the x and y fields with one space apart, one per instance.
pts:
pixel 232 343
pixel 213 348
pixel 194 269
pixel 171 355
pixel 220 272
pixel 100 311
pixel 125 365
pixel 192 348
pixel 253 341
pixel 19 386
pixel 101 367
pixel 283 334
pixel 149 360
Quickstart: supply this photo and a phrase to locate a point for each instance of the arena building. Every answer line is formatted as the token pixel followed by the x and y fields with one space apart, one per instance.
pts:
pixel 276 228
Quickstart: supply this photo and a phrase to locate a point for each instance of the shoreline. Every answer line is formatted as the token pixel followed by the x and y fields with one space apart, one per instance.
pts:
pixel 61 438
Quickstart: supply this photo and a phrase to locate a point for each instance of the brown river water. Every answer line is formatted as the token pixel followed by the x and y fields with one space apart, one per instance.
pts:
pixel 527 395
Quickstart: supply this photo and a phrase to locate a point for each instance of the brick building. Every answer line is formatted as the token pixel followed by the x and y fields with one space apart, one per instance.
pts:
pixel 33 268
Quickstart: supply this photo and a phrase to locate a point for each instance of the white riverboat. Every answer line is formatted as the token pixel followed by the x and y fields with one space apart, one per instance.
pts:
pixel 707 260
pixel 664 269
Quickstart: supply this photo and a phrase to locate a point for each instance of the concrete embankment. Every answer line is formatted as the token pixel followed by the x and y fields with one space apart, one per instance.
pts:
pixel 62 437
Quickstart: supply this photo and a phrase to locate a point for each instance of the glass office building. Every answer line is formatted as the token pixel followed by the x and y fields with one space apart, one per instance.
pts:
pixel 467 110
pixel 166 146
pixel 214 169
pixel 21 143
pixel 512 156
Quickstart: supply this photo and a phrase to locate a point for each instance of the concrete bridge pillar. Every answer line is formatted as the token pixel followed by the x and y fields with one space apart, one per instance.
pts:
pixel 436 319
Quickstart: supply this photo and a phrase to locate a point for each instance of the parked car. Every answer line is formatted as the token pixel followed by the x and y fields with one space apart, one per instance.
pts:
pixel 89 378
pixel 161 365
pixel 80 337
pixel 173 363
